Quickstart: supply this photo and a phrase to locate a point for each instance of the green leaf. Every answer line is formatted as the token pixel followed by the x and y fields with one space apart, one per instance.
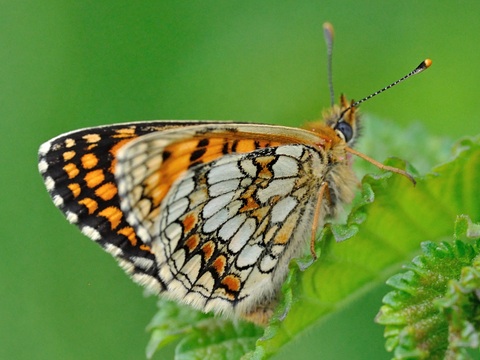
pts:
pixel 219 339
pixel 414 322
pixel 433 313
pixel 202 336
pixel 461 303
pixel 171 323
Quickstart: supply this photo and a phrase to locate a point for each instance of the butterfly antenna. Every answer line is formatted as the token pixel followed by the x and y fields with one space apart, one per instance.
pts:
pixel 425 64
pixel 328 34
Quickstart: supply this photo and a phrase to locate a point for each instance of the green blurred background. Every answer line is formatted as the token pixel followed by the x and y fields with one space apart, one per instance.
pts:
pixel 71 64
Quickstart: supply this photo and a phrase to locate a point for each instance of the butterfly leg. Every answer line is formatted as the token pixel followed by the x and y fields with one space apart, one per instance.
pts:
pixel 380 165
pixel 323 192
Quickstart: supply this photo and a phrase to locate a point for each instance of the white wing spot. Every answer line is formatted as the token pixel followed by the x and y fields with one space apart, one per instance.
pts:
pixel 184 188
pixel 173 233
pixel 279 187
pixel 217 204
pixel 178 287
pixel 135 148
pixel 268 263
pixel 49 183
pixel 231 226
pixel 224 172
pixel 206 281
pixel 137 173
pixel 177 209
pixel 215 221
pixel 139 159
pixel 127 266
pixel 246 182
pixel 192 268
pixel 249 255
pixel 45 148
pixel 42 166
pixel 249 167
pixel 71 217
pixel 58 200
pixel 91 233
pixel 290 150
pixel 196 298
pixel 143 234
pixel 277 249
pixel 112 249
pixel 132 194
pixel 154 162
pixel 178 259
pixel 150 283
pixel 285 167
pixel 142 263
pixel 223 187
pixel 281 209
pixel 242 236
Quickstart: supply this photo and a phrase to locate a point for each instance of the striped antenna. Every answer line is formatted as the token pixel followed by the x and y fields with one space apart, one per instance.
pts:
pixel 425 64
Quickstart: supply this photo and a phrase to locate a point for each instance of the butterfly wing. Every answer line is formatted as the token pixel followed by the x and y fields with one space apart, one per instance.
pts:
pixel 224 208
pixel 77 169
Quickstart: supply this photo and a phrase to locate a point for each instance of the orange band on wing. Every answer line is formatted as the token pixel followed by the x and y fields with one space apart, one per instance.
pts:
pixel 204 148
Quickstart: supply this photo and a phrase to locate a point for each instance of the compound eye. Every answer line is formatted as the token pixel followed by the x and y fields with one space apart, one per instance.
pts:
pixel 344 130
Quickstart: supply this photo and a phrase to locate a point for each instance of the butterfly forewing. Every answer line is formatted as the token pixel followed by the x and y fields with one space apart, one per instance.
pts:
pixel 77 169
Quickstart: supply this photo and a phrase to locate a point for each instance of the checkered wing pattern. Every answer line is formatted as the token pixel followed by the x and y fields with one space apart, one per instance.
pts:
pixel 77 169
pixel 209 214
pixel 223 214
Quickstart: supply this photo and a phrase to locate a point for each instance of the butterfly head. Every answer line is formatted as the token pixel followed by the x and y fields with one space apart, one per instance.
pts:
pixel 340 123
pixel 344 120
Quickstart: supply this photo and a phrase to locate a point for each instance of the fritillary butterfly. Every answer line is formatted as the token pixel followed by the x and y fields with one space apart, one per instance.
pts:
pixel 207 213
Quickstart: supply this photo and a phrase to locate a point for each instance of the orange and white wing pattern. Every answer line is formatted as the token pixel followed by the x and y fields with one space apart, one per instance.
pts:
pixel 78 171
pixel 223 209
pixel 208 214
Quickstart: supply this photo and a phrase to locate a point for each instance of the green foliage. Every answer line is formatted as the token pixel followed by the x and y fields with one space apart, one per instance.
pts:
pixel 172 322
pixel 389 220
pixel 433 311
pixel 202 336
pixel 460 307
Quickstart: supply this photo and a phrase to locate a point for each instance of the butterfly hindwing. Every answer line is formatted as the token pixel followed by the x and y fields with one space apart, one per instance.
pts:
pixel 224 229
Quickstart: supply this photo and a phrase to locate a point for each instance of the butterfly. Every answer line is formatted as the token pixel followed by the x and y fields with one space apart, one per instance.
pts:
pixel 207 213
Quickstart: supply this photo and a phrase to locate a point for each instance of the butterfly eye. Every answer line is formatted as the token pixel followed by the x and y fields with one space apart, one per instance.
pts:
pixel 344 130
